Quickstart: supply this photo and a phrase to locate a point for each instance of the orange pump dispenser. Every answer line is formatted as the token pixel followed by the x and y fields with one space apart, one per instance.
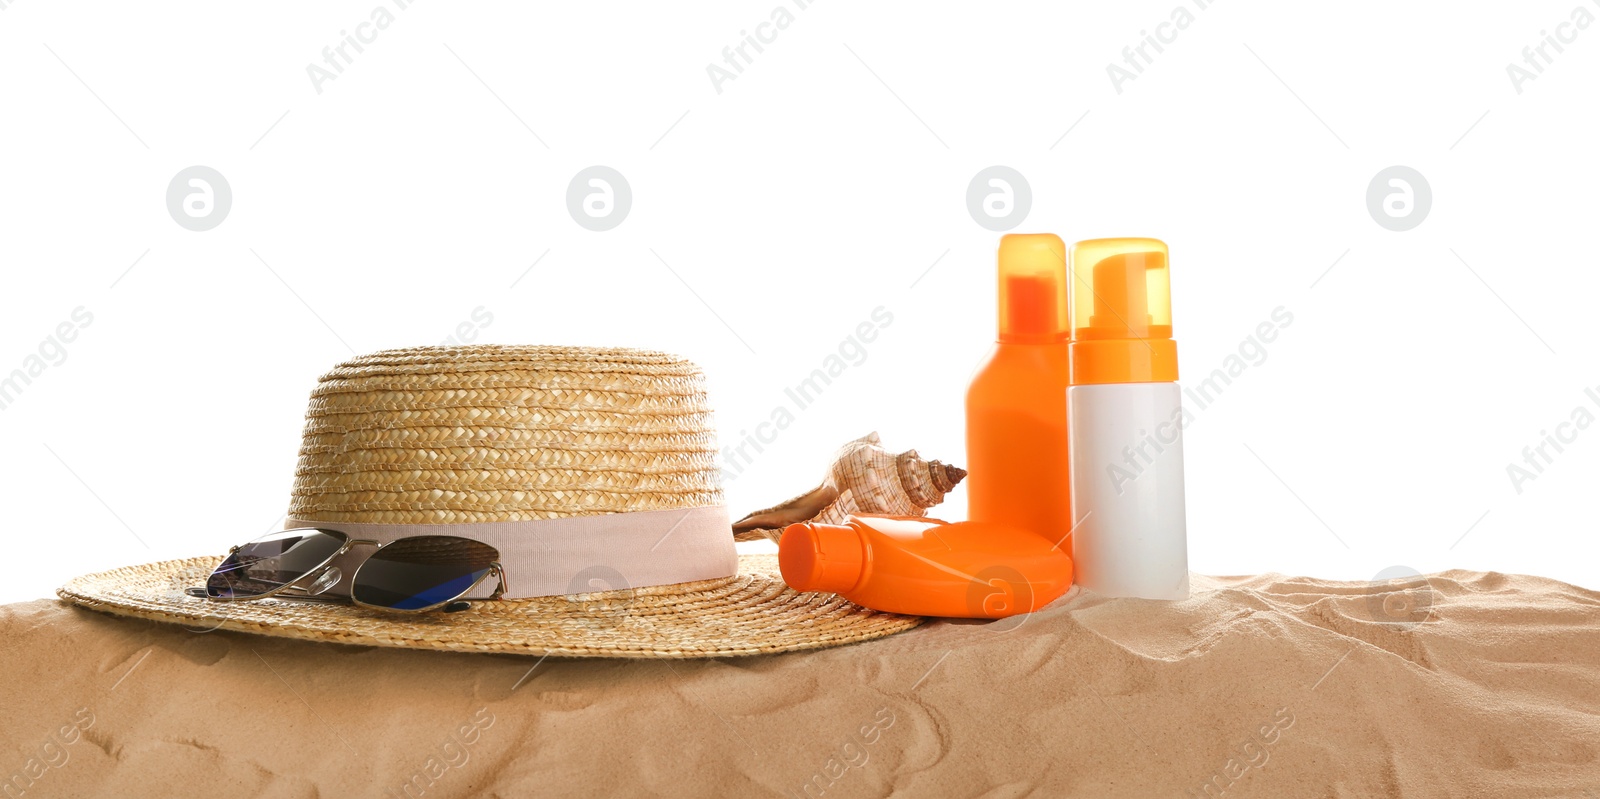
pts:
pixel 926 567
pixel 1122 313
pixel 1017 402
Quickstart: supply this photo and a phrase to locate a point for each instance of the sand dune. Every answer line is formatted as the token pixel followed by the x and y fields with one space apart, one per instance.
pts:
pixel 1256 687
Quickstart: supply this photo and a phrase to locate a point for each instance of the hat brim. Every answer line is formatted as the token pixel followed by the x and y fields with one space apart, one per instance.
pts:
pixel 753 613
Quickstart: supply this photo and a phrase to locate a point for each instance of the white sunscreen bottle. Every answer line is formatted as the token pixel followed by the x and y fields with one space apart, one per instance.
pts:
pixel 1125 423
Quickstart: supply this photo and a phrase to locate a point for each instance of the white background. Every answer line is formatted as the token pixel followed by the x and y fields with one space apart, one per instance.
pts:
pixel 770 219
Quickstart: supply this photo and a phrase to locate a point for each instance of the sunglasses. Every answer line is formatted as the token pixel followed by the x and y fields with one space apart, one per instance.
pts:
pixel 412 575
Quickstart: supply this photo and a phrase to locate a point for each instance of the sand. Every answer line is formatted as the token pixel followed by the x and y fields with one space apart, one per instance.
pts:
pixel 1256 687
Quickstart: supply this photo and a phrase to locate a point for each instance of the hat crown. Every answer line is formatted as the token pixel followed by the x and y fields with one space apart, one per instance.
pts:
pixel 451 435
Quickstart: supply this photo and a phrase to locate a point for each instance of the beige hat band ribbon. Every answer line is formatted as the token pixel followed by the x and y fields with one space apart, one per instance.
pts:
pixel 576 554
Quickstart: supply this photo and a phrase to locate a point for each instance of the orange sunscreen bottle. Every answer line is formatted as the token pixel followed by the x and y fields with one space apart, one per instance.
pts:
pixel 1017 403
pixel 926 567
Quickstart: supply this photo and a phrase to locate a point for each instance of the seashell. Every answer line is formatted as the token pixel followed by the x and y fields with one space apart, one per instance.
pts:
pixel 863 478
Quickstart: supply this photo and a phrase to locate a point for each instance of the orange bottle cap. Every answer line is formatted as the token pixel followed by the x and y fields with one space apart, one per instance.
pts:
pixel 1033 288
pixel 820 557
pixel 1121 312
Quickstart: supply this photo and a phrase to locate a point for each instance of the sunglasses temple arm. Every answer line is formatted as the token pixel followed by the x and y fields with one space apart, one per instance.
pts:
pixel 499 573
pixel 500 576
pixel 298 595
pixel 295 594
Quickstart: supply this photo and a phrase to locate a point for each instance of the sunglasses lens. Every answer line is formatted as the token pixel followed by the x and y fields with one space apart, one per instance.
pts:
pixel 267 564
pixel 417 573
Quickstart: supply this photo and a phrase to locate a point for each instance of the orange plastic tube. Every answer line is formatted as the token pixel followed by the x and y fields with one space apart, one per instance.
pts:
pixel 926 567
pixel 1017 402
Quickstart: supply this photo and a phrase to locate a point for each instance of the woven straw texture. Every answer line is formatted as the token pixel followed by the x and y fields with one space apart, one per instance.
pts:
pixel 751 614
pixel 439 435
pixel 435 435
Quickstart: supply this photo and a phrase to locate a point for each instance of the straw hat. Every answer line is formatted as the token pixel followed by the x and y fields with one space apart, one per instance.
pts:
pixel 591 470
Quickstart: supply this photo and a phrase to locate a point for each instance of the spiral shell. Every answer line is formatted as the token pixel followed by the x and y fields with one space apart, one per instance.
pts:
pixel 864 478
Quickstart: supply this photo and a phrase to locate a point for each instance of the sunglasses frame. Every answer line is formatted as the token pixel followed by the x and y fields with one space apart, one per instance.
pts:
pixel 289 589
